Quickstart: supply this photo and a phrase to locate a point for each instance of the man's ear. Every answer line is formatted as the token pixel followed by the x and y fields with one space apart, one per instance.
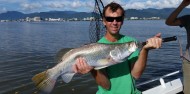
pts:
pixel 104 21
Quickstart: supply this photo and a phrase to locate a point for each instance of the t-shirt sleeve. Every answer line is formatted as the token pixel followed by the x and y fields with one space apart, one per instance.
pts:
pixel 184 20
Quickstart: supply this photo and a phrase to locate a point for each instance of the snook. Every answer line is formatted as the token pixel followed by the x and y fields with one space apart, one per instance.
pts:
pixel 96 54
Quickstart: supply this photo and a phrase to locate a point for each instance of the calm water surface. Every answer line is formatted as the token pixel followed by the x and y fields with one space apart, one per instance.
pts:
pixel 29 48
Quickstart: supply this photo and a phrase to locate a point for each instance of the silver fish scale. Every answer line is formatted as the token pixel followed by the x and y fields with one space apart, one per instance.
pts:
pixel 89 52
pixel 99 52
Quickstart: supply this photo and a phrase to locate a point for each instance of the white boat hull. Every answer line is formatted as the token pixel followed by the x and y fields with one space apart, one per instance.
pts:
pixel 172 87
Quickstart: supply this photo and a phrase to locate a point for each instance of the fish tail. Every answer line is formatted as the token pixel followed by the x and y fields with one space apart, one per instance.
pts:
pixel 43 82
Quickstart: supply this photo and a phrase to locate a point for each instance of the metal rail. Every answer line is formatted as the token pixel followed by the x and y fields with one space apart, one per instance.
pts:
pixel 158 78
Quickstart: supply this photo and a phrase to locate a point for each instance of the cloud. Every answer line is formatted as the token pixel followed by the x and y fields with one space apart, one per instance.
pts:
pixel 144 4
pixel 2 10
pixel 80 5
pixel 158 4
pixel 75 5
pixel 28 6
pixel 31 6
pixel 56 5
pixel 105 2
pixel 12 1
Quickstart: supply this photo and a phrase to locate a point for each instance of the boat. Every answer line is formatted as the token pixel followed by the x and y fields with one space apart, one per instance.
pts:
pixel 172 87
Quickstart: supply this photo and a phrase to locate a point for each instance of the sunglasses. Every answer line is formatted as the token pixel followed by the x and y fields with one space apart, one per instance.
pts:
pixel 111 19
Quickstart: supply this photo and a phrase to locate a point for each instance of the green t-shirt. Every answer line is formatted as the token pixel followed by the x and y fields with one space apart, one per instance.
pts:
pixel 119 75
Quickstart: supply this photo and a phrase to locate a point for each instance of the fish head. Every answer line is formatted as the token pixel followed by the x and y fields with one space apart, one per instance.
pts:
pixel 131 46
pixel 120 53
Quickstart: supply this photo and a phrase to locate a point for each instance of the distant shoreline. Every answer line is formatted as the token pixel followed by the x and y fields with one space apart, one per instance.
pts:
pixel 71 20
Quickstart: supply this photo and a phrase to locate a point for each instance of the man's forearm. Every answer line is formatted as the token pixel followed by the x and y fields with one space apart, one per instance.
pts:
pixel 172 17
pixel 101 78
pixel 140 64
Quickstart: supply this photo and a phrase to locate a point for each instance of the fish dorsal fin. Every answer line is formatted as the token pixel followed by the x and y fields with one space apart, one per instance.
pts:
pixel 67 77
pixel 61 53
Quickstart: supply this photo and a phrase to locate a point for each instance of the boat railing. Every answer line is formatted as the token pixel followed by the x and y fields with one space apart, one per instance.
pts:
pixel 172 87
pixel 159 78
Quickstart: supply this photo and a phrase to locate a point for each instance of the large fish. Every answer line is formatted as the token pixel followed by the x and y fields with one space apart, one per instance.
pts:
pixel 96 54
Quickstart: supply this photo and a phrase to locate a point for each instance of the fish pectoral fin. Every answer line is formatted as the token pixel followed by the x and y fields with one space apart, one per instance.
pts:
pixel 67 77
pixel 102 63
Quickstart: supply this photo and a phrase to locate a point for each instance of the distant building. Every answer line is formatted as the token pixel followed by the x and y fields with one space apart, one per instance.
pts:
pixel 4 20
pixel 54 19
pixel 88 19
pixel 155 18
pixel 37 19
pixel 28 19
pixel 133 18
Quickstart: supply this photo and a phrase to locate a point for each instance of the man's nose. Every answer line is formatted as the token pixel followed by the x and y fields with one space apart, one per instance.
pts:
pixel 114 21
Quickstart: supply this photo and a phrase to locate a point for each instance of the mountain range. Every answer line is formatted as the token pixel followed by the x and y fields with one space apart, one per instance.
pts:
pixel 162 13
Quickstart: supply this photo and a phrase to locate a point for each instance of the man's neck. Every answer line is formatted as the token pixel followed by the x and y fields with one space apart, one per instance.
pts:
pixel 112 38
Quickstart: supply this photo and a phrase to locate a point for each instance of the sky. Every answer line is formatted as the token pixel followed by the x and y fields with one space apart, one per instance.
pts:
pixel 31 6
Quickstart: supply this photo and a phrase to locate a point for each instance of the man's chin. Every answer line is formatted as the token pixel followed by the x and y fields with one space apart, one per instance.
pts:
pixel 114 31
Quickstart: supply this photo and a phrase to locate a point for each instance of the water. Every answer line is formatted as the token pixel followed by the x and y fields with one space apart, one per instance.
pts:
pixel 29 48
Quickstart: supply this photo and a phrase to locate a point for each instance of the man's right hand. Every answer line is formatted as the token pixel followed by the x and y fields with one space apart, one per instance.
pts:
pixel 81 66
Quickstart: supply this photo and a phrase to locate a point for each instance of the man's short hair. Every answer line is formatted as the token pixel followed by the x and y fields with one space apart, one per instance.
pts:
pixel 114 7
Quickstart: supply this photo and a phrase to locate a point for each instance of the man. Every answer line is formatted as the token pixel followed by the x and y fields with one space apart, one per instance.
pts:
pixel 119 78
pixel 183 21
